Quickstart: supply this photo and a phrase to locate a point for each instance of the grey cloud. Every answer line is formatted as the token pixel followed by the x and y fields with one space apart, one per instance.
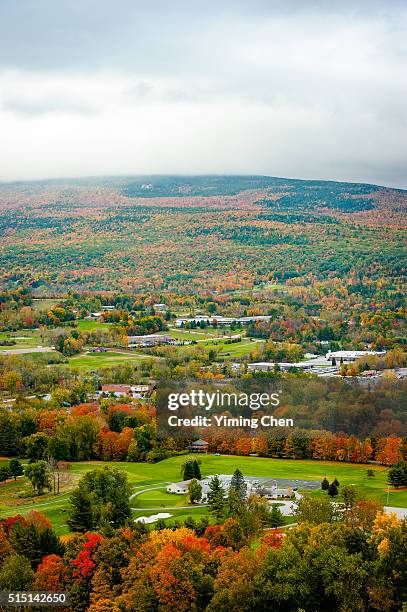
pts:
pixel 305 88
pixel 33 107
pixel 154 35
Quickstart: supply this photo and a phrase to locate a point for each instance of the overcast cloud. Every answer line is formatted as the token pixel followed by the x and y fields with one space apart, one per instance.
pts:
pixel 298 89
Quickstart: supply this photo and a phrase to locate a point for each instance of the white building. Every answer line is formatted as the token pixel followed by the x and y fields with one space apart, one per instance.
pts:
pixel 148 340
pixel 349 356
pixel 218 320
pixel 134 391
pixel 179 488
pixel 261 366
pixel 252 486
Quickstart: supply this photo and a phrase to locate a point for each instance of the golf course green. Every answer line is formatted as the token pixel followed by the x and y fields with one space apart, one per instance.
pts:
pixel 148 483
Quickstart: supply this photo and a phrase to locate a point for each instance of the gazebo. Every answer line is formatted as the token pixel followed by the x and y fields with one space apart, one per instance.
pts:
pixel 199 446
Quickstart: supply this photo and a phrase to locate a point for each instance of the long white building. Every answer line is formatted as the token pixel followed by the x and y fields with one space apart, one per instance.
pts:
pixel 348 356
pixel 213 320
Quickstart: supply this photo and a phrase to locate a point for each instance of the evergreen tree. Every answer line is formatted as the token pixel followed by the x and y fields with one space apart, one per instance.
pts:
pixel 81 512
pixel 189 470
pixel 238 484
pixel 397 474
pixel 216 498
pixel 336 482
pixel 195 491
pixel 196 469
pixel 333 490
pixel 276 518
pixel 8 435
pixel 236 505
pixel 237 495
pixel 325 484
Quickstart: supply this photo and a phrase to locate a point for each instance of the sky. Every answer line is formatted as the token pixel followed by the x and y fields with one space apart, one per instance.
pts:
pixel 302 89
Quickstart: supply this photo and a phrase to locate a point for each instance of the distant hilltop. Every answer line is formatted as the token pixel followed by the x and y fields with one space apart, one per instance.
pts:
pixel 270 191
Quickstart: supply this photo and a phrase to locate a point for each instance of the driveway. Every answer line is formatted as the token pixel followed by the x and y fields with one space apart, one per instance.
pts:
pixel 401 512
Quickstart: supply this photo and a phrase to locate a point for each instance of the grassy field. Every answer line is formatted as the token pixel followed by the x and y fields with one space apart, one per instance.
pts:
pixel 238 349
pixel 93 361
pixel 143 476
pixel 193 334
pixel 43 304
pixel 87 325
pixel 23 338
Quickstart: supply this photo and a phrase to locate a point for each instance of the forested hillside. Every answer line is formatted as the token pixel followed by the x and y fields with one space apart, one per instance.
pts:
pixel 197 234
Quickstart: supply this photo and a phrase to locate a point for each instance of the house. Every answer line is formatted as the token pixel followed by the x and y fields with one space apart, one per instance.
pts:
pixel 134 391
pixel 253 485
pixel 160 307
pixel 107 308
pixel 199 446
pixel 140 391
pixel 116 390
pixel 274 492
pixel 179 488
pixel 92 316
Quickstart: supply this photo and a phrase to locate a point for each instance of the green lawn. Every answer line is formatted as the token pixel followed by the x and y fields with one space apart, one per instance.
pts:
pixel 24 339
pixel 144 475
pixel 93 361
pixel 88 325
pixel 238 349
